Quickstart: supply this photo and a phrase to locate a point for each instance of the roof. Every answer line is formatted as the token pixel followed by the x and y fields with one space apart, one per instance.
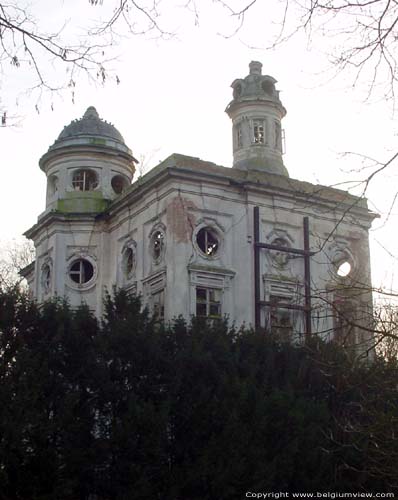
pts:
pixel 90 125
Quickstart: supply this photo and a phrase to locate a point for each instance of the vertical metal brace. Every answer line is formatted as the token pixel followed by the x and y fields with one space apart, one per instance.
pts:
pixel 257 307
pixel 258 303
pixel 307 277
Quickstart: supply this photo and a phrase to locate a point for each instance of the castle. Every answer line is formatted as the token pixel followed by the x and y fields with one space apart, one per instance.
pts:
pixel 195 238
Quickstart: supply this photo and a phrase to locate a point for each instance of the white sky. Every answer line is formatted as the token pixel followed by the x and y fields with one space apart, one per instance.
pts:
pixel 172 98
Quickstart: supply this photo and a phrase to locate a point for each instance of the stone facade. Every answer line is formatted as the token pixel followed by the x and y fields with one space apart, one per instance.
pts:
pixel 182 236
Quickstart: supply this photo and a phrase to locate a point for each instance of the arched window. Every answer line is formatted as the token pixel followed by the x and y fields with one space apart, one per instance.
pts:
pixel 46 278
pixel 157 245
pixel 128 261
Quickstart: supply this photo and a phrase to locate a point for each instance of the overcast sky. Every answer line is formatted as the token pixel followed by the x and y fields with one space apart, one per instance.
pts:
pixel 172 96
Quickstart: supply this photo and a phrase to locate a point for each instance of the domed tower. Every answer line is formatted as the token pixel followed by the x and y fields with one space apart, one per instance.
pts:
pixel 256 112
pixel 87 166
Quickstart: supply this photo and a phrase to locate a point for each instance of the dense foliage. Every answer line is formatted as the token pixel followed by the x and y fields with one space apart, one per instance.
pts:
pixel 130 409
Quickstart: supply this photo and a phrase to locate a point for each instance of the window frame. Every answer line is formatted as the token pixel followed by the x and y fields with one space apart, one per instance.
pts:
pixel 259 136
pixel 81 284
pixel 46 279
pixel 208 302
pixel 124 183
pixel 84 181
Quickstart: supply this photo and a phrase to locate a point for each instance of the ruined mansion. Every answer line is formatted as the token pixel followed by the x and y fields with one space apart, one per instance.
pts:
pixel 195 238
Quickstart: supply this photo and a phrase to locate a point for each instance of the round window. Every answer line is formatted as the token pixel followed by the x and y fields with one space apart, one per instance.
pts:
pixel 343 268
pixel 84 180
pixel 208 241
pixel 81 271
pixel 119 184
pixel 343 263
pixel 157 245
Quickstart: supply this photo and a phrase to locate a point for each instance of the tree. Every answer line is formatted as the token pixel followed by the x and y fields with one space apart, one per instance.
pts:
pixel 13 258
pixel 130 408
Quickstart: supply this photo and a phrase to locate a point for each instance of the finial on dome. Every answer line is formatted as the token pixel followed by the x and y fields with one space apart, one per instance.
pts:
pixel 255 68
pixel 91 112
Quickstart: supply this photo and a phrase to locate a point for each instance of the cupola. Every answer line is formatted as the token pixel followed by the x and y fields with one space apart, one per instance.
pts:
pixel 256 112
pixel 87 166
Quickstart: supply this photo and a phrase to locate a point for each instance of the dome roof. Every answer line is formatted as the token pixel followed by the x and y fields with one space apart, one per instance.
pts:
pixel 255 87
pixel 90 125
pixel 90 132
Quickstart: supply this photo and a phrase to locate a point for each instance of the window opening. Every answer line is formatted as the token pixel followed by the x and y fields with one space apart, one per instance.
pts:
pixel 343 269
pixel 81 271
pixel 158 305
pixel 258 132
pixel 208 302
pixel 280 319
pixel 239 141
pixel 207 241
pixel 53 182
pixel 119 184
pixel 278 136
pixel 128 261
pixel 237 91
pixel 268 87
pixel 46 278
pixel 84 180
pixel 157 245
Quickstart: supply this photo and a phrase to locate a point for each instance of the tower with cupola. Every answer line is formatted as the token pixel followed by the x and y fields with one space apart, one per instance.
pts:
pixel 256 112
pixel 87 166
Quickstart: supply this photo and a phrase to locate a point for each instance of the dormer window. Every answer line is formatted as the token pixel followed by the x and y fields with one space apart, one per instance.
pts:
pixel 258 132
pixel 84 180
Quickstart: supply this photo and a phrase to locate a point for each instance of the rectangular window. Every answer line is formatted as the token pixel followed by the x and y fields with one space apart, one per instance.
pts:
pixel 281 318
pixel 258 132
pixel 208 302
pixel 278 136
pixel 158 304
pixel 239 141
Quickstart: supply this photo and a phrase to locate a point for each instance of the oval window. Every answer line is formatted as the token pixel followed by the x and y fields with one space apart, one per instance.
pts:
pixel 208 241
pixel 343 269
pixel 119 184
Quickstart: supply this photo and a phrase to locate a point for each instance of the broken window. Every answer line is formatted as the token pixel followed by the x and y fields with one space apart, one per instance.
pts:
pixel 258 132
pixel 208 241
pixel 158 305
pixel 46 278
pixel 157 245
pixel 84 180
pixel 119 184
pixel 208 302
pixel 81 271
pixel 128 261
pixel 280 318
